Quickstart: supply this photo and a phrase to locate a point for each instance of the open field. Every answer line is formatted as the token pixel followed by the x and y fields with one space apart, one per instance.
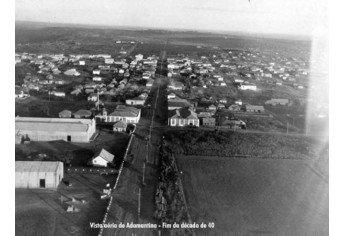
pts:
pixel 260 145
pixel 255 197
pixel 50 38
pixel 43 212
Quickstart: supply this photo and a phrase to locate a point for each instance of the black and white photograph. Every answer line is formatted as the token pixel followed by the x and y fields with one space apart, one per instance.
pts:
pixel 170 118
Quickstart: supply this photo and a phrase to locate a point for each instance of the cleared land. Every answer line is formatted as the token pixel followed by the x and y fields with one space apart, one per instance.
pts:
pixel 43 212
pixel 255 197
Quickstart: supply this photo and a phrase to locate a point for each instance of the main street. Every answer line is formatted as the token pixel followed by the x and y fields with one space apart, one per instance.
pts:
pixel 134 196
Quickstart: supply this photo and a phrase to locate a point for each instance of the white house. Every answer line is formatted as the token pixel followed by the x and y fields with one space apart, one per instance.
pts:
pixel 223 100
pixel 183 117
pixel 82 63
pixel 109 60
pixel 237 80
pixel 238 102
pixel 248 87
pixel 135 101
pixel 139 57
pixel 102 158
pixel 96 72
pixel 171 96
pixel 58 94
pixel 120 126
pixel 72 72
pixel 97 78
pixel 149 83
pixel 126 114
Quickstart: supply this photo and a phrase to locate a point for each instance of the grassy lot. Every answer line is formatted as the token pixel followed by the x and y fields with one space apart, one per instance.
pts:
pixel 255 197
pixel 115 143
pixel 230 143
pixel 43 212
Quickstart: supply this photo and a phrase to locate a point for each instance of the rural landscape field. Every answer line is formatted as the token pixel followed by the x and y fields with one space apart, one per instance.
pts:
pixel 255 197
pixel 152 131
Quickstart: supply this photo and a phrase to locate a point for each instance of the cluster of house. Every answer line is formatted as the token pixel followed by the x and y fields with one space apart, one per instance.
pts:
pixel 267 67
pixel 126 74
pixel 185 113
pixel 242 67
pixel 120 117
pixel 186 65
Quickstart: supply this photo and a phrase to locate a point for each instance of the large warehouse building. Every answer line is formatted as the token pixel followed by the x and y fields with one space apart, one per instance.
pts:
pixel 39 174
pixel 50 129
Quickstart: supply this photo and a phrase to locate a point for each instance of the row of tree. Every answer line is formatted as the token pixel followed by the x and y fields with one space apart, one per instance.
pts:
pixel 170 206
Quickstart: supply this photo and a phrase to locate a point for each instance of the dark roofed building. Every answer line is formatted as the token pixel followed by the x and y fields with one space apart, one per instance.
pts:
pixel 208 121
pixel 82 114
pixel 177 104
pixel 234 124
pixel 120 126
pixel 183 117
pixel 65 114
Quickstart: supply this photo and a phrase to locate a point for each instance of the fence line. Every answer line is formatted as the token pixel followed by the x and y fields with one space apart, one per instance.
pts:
pixel 182 193
pixel 116 183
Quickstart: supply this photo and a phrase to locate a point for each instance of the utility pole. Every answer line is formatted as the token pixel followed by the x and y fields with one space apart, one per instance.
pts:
pixel 139 194
pixel 144 173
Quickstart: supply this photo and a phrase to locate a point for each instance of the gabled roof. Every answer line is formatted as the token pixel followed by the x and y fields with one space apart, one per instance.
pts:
pixel 126 112
pixel 83 112
pixel 52 124
pixel 135 99
pixel 249 107
pixel 37 166
pixel 183 113
pixel 120 124
pixel 178 103
pixel 65 112
pixel 104 154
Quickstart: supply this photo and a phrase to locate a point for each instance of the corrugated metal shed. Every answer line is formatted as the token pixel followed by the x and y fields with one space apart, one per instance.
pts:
pixel 38 174
pixel 36 166
pixel 52 124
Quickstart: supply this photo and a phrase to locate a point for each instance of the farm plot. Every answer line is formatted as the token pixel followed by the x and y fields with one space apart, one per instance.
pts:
pixel 254 197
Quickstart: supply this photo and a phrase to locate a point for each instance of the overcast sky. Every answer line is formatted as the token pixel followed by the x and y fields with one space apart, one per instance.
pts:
pixel 298 17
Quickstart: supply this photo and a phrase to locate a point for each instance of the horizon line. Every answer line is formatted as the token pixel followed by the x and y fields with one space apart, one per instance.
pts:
pixel 303 37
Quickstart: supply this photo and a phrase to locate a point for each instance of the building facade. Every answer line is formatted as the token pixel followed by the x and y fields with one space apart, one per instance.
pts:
pixel 130 115
pixel 51 129
pixel 38 174
pixel 183 117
